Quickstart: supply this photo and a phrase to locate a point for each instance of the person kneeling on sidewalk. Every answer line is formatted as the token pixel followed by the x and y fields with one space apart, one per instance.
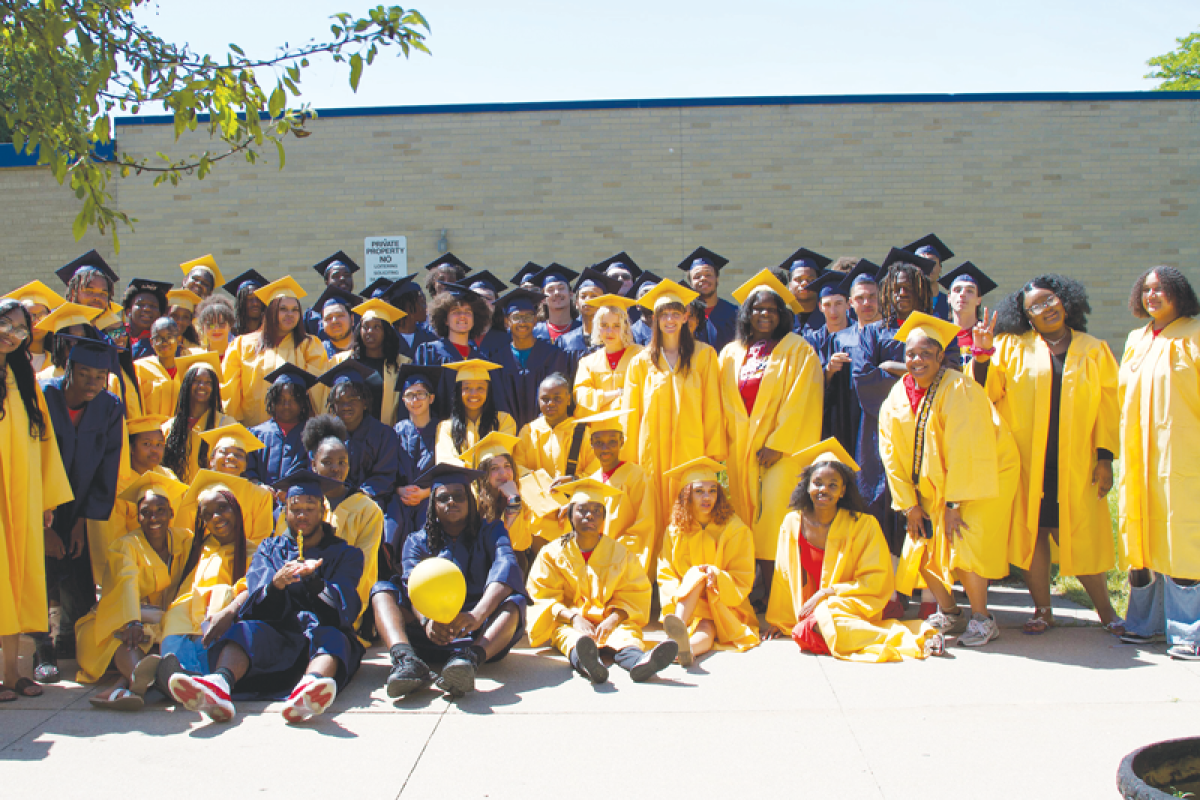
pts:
pixel 295 630
pixel 590 595
pixel 493 614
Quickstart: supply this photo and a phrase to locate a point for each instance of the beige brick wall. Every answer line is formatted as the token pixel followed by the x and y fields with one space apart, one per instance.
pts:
pixel 1097 190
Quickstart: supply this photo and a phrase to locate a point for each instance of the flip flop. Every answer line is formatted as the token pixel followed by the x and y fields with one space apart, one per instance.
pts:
pixel 144 674
pixel 118 700
pixel 7 695
pixel 26 688
pixel 1041 621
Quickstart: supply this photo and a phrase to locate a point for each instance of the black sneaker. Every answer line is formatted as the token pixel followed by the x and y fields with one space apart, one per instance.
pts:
pixel 587 657
pixel 409 674
pixel 458 676
pixel 654 661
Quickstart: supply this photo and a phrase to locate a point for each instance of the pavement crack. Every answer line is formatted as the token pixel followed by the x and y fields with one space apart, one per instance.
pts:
pixel 849 727
pixel 420 755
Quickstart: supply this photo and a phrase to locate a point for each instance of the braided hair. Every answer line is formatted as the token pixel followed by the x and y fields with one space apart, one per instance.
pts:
pixel 241 324
pixel 239 546
pixel 80 280
pixel 921 288
pixel 17 362
pixel 178 448
pixel 435 537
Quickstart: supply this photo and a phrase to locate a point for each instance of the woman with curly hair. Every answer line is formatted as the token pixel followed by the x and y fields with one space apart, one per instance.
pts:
pixel 198 409
pixel 1160 483
pixel 215 322
pixel 706 568
pixel 1056 387
pixel 459 316
pixel 33 471
pixel 253 356
pixel 834 574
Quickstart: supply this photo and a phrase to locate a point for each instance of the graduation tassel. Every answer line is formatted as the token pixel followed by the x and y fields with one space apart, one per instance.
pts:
pixel 299 546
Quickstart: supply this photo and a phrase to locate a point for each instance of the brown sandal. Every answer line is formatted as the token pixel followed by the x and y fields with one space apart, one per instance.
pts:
pixel 1041 621
pixel 22 688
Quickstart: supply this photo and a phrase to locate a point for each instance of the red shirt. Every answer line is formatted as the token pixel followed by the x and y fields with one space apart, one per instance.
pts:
pixel 587 556
pixel 285 428
pixel 75 414
pixel 464 350
pixel 614 358
pixel 758 355
pixel 605 476
pixel 1155 333
pixel 171 370
pixel 915 393
pixel 557 330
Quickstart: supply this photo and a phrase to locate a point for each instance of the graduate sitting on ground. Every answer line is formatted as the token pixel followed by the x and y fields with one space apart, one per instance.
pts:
pixel 591 596
pixel 706 568
pixel 833 571
pixel 288 405
pixel 145 568
pixel 493 614
pixel 630 515
pixel 295 630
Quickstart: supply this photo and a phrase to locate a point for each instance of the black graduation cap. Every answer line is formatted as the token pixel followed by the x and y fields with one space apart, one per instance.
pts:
pixel 350 370
pixel 525 274
pixel 446 475
pixel 153 287
pixel 830 283
pixel 933 242
pixel 487 280
pixel 89 259
pixel 306 483
pixel 332 294
pixel 339 257
pixel 967 271
pixel 592 277
pixel 702 255
pixel 864 270
pixel 404 286
pixel 376 288
pixel 647 277
pixel 898 256
pixel 552 273
pixel 91 352
pixel 249 276
pixel 290 373
pixel 448 259
pixel 412 374
pixel 621 259
pixel 520 299
pixel 462 291
pixel 805 258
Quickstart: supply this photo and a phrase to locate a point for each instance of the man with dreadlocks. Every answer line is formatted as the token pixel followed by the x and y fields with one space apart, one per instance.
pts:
pixel 492 619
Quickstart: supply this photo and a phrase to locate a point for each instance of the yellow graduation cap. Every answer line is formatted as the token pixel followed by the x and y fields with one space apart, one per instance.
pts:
pixel 698 469
pixel 767 280
pixel 378 309
pixel 211 360
pixel 829 450
pixel 209 263
pixel 237 433
pixel 473 369
pixel 606 421
pixel 116 308
pixel 493 444
pixel 206 479
pixel 606 300
pixel 668 291
pixel 66 315
pixel 106 321
pixel 284 287
pixel 584 490
pixel 38 293
pixel 150 422
pixel 157 483
pixel 939 330
pixel 184 298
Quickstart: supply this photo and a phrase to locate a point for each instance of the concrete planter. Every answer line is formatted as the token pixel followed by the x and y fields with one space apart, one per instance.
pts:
pixel 1161 770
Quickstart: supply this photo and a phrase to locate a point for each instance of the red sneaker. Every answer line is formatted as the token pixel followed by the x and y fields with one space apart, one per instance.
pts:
pixel 207 694
pixel 310 698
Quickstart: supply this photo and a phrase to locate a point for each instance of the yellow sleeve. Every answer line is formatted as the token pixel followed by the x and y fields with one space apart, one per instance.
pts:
pixel 313 356
pixel 869 582
pixel 632 400
pixel 231 379
pixel 715 444
pixel 586 387
pixel 669 577
pixel 781 608
pixel 547 588
pixel 1109 420
pixel 899 474
pixel 968 444
pixel 259 519
pixel 798 423
pixel 507 423
pixel 120 602
pixel 631 593
pixel 735 578
pixel 444 450
pixel 997 378
pixel 525 453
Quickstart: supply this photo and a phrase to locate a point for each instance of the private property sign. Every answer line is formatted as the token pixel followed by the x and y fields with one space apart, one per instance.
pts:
pixel 385 257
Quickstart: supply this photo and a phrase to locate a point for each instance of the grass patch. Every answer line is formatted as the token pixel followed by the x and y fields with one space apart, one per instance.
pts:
pixel 1118 585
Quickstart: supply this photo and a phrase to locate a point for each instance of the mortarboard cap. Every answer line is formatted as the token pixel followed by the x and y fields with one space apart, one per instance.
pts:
pixel 967 271
pixel 766 279
pixel 89 259
pixel 151 482
pixel 525 274
pixel 598 280
pixel 37 293
pixel 584 490
pixel 348 371
pixel 290 373
pixel 402 287
pixel 448 259
pixel 159 288
pixel 939 330
pixel 206 262
pixel 701 256
pixel 829 450
pixel 667 291
pixel 605 421
pixel 698 469
pixel 937 248
pixel 413 374
pixel 91 352
pixel 864 272
pixel 210 360
pixel 622 260
pixel 66 315
pixel 831 283
pixel 898 256
pixel 446 475
pixel 519 299
pixel 251 276
pixel 379 309
pixel 552 274
pixel 184 298
pixel 647 278
pixel 485 280
pixel 805 258
pixel 150 422
pixel 284 287
pixel 106 321
pixel 336 296
pixel 462 292
pixel 306 483
pixel 472 369
pixel 322 266
pixel 493 444
pixel 376 287
pixel 237 433
pixel 614 300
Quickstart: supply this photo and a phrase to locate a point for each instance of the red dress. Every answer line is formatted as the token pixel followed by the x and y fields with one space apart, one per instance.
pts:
pixel 806 633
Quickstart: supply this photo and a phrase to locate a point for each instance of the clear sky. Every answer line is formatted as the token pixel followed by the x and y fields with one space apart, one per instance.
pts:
pixel 537 50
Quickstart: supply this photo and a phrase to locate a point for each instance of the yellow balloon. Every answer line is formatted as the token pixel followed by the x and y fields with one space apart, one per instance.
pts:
pixel 437 589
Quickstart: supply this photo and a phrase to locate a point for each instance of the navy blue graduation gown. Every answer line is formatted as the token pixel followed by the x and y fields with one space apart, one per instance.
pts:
pixel 91 454
pixel 808 323
pixel 493 341
pixel 421 335
pixel 281 454
pixel 841 411
pixel 941 306
pixel 440 352
pixel 721 326
pixel 542 331
pixel 521 383
pixel 374 460
pixel 576 344
pixel 488 558
pixel 283 630
pixel 416 456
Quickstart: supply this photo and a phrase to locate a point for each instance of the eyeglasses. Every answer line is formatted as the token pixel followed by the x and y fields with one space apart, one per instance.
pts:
pixel 7 328
pixel 415 397
pixel 522 319
pixel 164 340
pixel 1049 302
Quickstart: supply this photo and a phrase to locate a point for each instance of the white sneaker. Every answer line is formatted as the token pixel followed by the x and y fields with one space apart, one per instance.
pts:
pixel 310 698
pixel 945 623
pixel 980 631
pixel 208 694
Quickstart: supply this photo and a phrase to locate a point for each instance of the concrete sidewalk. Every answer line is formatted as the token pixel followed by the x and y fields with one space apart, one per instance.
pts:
pixel 1027 716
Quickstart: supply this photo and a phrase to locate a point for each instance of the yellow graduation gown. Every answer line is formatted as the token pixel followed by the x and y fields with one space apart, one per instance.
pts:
pixel 194 442
pixel 258 518
pixel 359 521
pixel 243 388
pixel 611 579
pixel 970 458
pixel 32 481
pixel 160 391
pixel 630 517
pixel 1159 520
pixel 443 445
pixel 593 376
pixel 675 417
pixel 786 417
pixel 542 447
pixel 858 567
pixel 208 589
pixel 1019 384
pixel 137 576
pixel 729 548
pixel 102 533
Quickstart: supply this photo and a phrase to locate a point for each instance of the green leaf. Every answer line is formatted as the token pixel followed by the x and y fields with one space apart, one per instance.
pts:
pixel 279 149
pixel 356 68
pixel 278 101
pixel 237 49
pixel 79 228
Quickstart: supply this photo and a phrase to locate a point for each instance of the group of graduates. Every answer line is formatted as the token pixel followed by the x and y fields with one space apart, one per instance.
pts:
pixel 228 497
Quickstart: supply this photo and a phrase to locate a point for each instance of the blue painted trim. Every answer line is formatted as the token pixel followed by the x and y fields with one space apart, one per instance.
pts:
pixel 709 102
pixel 11 157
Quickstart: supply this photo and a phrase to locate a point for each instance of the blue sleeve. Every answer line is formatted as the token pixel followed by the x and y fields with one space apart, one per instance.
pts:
pixel 871 384
pixel 334 596
pixel 415 551
pixel 381 480
pixel 263 601
pixel 504 568
pixel 102 494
